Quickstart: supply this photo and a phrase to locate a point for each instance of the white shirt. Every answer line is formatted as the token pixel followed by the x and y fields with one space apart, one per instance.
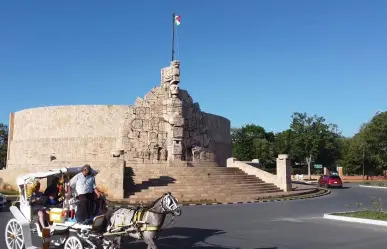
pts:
pixel 83 184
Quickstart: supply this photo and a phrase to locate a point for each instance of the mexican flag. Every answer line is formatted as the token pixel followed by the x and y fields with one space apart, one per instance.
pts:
pixel 177 20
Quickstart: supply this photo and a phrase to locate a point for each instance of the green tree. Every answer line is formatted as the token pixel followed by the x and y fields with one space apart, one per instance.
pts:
pixel 264 151
pixel 283 142
pixel 353 154
pixel 248 142
pixel 310 137
pixel 374 135
pixel 3 144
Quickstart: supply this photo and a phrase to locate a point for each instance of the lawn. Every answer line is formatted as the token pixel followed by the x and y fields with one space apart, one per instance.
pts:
pixel 375 183
pixel 367 214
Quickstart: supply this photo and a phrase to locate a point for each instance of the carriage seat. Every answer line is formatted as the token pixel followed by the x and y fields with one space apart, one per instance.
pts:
pixel 58 230
pixel 98 221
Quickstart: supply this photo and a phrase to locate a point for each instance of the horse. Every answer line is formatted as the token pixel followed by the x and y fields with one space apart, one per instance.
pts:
pixel 139 222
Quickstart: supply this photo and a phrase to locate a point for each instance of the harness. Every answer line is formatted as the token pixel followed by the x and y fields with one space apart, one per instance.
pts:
pixel 139 220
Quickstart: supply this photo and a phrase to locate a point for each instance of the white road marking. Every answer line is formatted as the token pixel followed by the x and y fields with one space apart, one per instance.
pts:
pixel 299 219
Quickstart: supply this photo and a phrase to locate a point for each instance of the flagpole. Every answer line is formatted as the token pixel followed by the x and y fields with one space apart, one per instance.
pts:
pixel 173 36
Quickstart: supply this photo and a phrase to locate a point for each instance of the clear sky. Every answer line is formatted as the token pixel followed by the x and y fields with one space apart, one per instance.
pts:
pixel 251 61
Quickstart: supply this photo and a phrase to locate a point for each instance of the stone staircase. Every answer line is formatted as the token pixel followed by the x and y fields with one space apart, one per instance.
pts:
pixel 205 182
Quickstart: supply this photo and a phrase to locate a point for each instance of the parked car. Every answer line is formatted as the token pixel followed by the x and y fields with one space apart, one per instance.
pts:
pixel 330 181
pixel 3 201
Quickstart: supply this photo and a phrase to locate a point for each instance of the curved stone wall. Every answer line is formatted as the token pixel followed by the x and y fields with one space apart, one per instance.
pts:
pixel 42 136
pixel 69 133
pixel 74 121
pixel 218 128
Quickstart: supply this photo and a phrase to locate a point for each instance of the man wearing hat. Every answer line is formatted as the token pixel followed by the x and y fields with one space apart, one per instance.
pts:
pixel 84 185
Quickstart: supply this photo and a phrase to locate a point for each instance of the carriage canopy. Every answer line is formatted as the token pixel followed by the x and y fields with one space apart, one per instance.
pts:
pixel 30 177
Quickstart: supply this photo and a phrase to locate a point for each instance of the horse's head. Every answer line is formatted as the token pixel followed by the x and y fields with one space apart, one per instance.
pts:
pixel 170 204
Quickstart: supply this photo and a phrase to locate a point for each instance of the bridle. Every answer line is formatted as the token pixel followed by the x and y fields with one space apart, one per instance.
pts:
pixel 165 207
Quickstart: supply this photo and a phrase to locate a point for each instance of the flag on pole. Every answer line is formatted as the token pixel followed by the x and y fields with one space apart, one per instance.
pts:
pixel 177 20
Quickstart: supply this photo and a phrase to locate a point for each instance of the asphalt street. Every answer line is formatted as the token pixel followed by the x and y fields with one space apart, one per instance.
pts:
pixel 296 224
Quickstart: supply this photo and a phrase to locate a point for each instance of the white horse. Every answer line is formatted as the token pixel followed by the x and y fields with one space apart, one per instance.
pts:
pixel 139 223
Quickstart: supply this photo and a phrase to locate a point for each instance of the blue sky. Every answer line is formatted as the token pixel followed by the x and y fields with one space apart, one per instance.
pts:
pixel 250 61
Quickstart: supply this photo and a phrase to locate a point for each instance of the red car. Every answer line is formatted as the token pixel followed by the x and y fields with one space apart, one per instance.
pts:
pixel 330 181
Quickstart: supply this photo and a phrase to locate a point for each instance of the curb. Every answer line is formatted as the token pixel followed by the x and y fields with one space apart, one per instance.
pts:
pixel 320 192
pixel 370 186
pixel 355 220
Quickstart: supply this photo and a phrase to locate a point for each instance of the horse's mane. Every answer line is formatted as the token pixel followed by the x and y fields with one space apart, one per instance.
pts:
pixel 154 202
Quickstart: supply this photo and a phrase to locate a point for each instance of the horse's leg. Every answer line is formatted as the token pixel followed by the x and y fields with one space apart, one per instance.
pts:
pixel 148 238
pixel 151 244
pixel 117 242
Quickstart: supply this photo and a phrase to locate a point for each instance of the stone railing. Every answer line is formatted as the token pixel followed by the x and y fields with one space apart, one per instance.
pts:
pixel 282 179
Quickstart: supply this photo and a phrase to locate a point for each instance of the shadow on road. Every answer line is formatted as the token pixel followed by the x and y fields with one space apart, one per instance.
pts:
pixel 184 237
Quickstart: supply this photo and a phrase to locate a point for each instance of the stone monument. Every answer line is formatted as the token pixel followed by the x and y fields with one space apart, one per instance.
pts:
pixel 165 128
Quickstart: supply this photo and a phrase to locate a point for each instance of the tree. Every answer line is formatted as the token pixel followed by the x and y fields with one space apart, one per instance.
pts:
pixel 374 135
pixel 283 142
pixel 353 154
pixel 264 151
pixel 3 144
pixel 250 142
pixel 310 137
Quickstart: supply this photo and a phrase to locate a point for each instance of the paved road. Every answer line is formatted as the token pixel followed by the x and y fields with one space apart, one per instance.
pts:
pixel 276 225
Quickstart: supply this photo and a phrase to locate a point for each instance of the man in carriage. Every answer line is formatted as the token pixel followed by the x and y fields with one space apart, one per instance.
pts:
pixel 85 187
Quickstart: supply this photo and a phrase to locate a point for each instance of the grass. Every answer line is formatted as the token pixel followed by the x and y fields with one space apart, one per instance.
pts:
pixel 379 183
pixel 366 214
pixel 374 212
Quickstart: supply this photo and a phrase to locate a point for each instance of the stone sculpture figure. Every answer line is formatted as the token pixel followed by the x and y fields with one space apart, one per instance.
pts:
pixel 163 154
pixel 196 152
pixel 170 75
pixel 155 153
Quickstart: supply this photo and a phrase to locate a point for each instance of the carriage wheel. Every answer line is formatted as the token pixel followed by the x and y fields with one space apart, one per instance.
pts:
pixel 14 235
pixel 73 243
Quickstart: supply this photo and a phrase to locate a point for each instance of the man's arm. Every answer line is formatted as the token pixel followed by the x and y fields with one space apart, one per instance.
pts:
pixel 96 191
pixel 72 183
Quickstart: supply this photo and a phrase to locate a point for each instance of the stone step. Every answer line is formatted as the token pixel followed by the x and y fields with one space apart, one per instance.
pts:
pixel 185 173
pixel 191 178
pixel 220 184
pixel 179 170
pixel 195 187
pixel 181 174
pixel 182 193
pixel 192 188
pixel 189 174
pixel 203 196
pixel 199 181
pixel 157 182
pixel 188 197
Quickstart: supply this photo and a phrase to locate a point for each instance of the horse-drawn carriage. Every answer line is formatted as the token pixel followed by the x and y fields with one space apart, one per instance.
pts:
pixel 103 232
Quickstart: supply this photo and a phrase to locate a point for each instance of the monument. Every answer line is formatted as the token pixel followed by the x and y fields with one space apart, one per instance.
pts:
pixel 166 128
